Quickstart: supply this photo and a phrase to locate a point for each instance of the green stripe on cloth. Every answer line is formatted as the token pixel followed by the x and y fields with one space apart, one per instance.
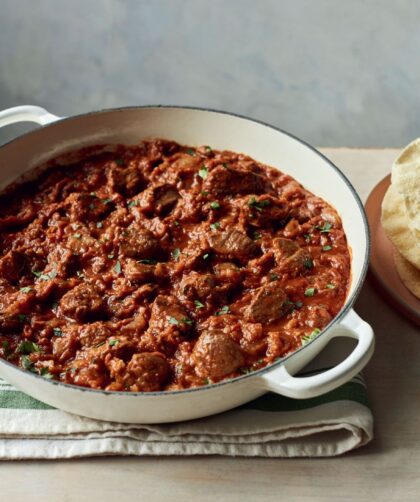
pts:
pixel 355 390
pixel 351 391
pixel 14 399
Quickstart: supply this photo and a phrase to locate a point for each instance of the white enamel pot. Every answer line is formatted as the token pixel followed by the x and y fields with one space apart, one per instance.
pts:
pixel 222 131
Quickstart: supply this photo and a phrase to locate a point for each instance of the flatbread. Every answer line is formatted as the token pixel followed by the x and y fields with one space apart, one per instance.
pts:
pixel 395 224
pixel 409 275
pixel 406 180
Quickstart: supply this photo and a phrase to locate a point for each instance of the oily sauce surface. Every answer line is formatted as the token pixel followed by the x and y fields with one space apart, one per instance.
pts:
pixel 162 267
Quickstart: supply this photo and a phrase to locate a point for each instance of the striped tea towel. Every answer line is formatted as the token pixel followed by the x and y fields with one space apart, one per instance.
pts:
pixel 270 426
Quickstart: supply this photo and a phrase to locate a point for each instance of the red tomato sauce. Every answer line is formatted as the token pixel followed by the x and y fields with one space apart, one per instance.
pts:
pixel 161 267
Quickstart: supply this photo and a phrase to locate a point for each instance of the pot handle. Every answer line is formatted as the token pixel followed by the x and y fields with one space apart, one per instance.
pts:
pixel 26 113
pixel 282 382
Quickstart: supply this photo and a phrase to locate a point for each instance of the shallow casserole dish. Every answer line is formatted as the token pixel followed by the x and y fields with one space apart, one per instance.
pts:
pixel 224 132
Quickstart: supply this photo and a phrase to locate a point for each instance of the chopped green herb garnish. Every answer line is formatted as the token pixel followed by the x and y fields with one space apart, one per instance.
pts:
pixel 191 152
pixel 274 277
pixel 214 205
pixel 205 256
pixel 288 306
pixel 22 317
pixel 57 332
pixel 133 203
pixel 106 201
pixel 224 310
pixel 176 223
pixel 26 289
pixel 147 261
pixel 206 382
pixel 99 224
pixel 225 165
pixel 45 277
pixel 325 228
pixel 176 253
pixel 91 206
pixel 27 364
pixel 308 263
pixel 308 338
pixel 111 256
pixel 112 343
pixel 186 320
pixel 203 172
pixel 208 148
pixel 118 267
pixel 198 304
pixel 175 322
pixel 27 347
pixel 6 348
pixel 331 286
pixel 307 237
pixel 215 226
pixel 120 162
pixel 256 236
pixel 258 205
pixel 326 248
pixel 93 194
pixel 203 192
pixel 44 372
pixel 310 292
pixel 77 236
pixel 80 274
pixel 292 305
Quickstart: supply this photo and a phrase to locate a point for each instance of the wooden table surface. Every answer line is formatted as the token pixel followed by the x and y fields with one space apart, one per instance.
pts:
pixel 387 469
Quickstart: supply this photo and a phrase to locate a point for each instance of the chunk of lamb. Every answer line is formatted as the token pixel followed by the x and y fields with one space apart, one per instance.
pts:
pixel 159 199
pixel 265 210
pixel 228 272
pixel 82 303
pixel 266 304
pixel 90 335
pixel 222 181
pixel 198 286
pixel 138 272
pixel 139 243
pixel 290 257
pixel 232 243
pixel 126 180
pixel 89 369
pixel 316 316
pixel 146 372
pixel 12 266
pixel 65 347
pixel 62 260
pixel 216 355
pixel 85 207
pixel 167 312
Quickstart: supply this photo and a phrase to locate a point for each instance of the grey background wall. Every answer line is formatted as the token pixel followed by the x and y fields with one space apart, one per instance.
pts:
pixel 335 72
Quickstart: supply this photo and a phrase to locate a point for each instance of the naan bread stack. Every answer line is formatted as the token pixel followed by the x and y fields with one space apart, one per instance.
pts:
pixel 401 215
